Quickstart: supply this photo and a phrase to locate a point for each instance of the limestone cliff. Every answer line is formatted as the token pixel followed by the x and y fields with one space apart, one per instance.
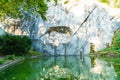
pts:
pixel 88 21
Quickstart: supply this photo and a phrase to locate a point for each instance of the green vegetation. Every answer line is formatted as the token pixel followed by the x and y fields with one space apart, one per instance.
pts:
pixel 66 2
pixel 115 62
pixel 115 47
pixel 12 8
pixel 18 45
pixel 92 48
pixel 115 3
pixel 15 8
pixel 104 1
pixel 116 40
pixel 10 57
pixel 2 60
pixel 7 58
pixel 33 52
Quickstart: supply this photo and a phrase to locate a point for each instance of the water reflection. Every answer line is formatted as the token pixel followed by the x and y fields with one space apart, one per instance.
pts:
pixel 60 68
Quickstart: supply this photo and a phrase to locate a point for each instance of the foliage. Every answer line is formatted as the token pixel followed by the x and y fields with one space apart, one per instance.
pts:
pixel 92 48
pixel 110 50
pixel 17 45
pixel 66 2
pixel 13 8
pixel 32 52
pixel 10 57
pixel 115 48
pixel 115 62
pixel 2 60
pixel 116 39
pixel 105 1
pixel 115 3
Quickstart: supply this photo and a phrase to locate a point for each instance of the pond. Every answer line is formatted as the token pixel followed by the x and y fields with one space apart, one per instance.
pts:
pixel 63 68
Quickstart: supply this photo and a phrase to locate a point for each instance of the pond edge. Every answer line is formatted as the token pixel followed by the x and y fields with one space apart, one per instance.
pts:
pixel 9 63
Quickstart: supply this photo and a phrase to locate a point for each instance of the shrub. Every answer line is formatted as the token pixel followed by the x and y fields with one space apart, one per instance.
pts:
pixel 32 52
pixel 104 1
pixel 10 57
pixel 115 3
pixel 115 48
pixel 116 40
pixel 12 44
pixel 2 60
pixel 92 48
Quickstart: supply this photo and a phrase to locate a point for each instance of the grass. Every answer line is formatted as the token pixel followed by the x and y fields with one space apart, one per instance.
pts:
pixel 34 53
pixel 110 51
pixel 6 58
pixel 114 49
pixel 2 60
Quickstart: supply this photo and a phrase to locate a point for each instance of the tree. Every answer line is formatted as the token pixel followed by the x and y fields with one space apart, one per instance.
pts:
pixel 114 3
pixel 13 8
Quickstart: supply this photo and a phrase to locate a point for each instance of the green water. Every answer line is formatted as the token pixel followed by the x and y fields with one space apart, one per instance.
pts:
pixel 63 68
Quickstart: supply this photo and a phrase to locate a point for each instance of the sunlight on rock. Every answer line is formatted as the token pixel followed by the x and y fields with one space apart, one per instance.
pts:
pixel 42 30
pixel 111 10
pixel 56 43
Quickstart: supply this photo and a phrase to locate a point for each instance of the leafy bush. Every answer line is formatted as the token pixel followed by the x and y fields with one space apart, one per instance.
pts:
pixel 32 52
pixel 116 40
pixel 115 3
pixel 10 57
pixel 2 60
pixel 17 45
pixel 105 1
pixel 92 48
pixel 115 48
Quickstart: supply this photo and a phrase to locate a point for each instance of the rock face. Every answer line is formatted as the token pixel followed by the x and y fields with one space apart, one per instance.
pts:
pixel 88 21
pixel 12 26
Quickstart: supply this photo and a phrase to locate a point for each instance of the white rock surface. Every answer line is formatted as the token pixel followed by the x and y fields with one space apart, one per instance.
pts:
pixel 89 21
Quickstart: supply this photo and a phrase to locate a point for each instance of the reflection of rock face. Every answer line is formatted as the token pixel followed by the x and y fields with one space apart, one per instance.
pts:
pixel 63 67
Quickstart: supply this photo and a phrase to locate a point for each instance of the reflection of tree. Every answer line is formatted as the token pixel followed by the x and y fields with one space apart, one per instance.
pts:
pixel 18 72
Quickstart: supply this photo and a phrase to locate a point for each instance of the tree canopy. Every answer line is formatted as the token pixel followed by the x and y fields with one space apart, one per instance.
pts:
pixel 114 3
pixel 14 8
